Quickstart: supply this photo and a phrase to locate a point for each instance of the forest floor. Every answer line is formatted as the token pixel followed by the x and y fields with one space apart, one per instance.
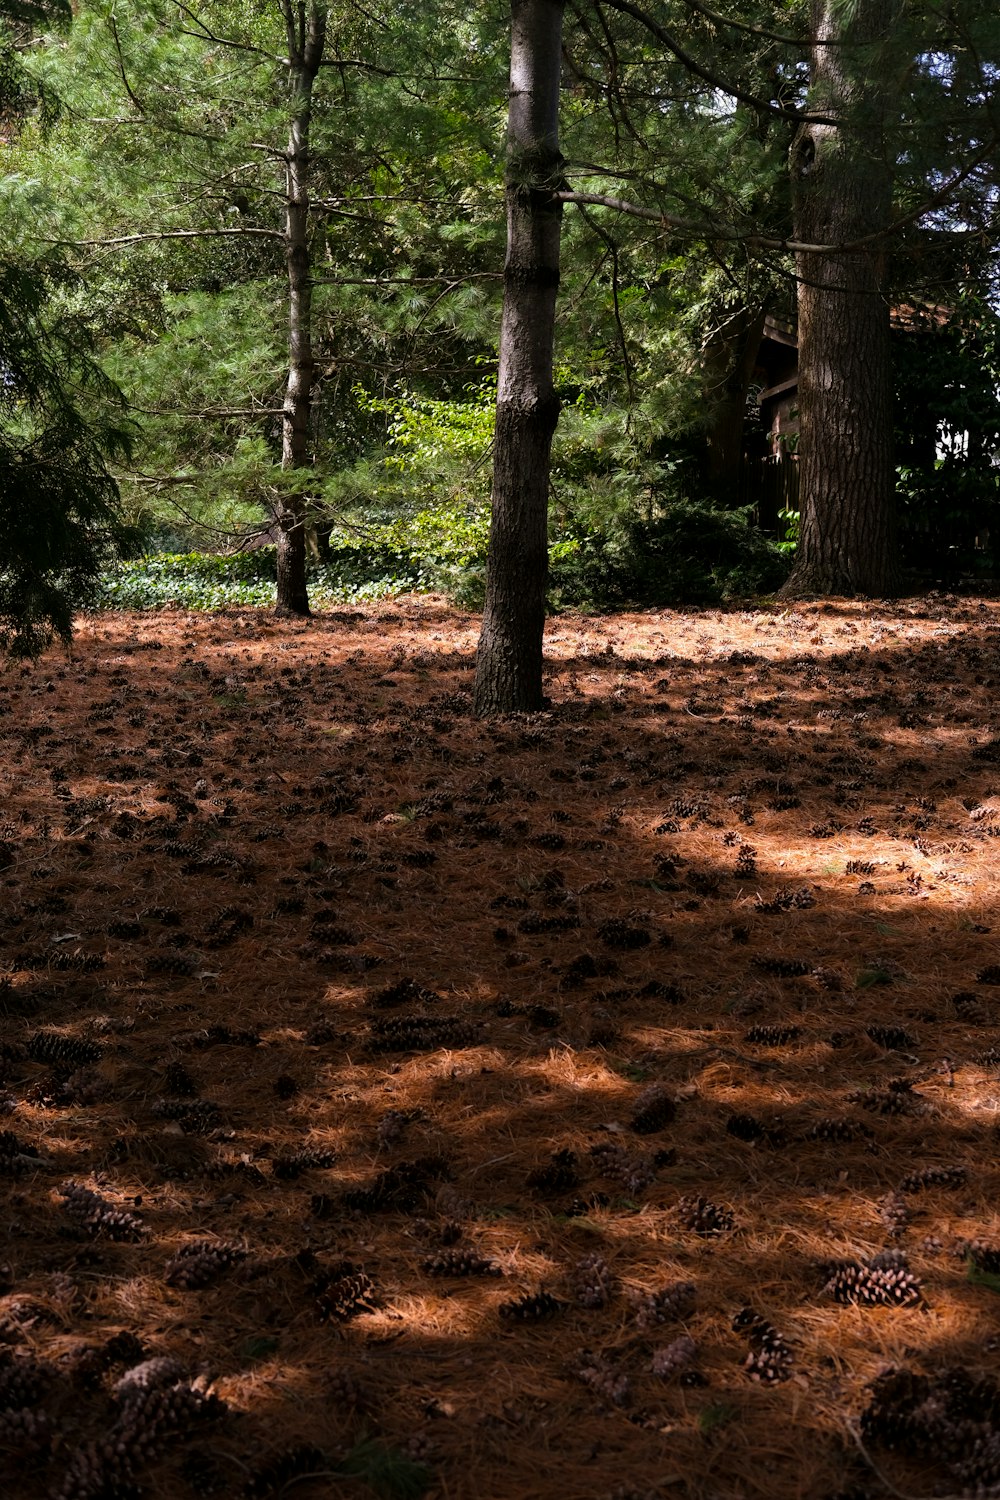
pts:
pixel 600 1103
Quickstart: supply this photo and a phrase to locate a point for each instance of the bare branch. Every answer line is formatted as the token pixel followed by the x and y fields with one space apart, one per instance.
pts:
pixel 761 31
pixel 612 245
pixel 136 102
pixel 380 281
pixel 724 85
pixel 203 33
pixel 360 65
pixel 209 411
pixel 172 234
pixel 715 231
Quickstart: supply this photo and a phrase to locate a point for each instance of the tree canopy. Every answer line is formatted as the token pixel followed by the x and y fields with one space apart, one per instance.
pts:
pixel 292 254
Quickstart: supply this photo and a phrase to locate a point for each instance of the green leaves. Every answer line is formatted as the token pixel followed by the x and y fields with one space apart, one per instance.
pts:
pixel 988 1279
pixel 59 515
pixel 387 1470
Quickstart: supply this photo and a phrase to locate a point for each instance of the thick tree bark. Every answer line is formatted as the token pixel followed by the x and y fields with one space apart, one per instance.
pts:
pixel 842 192
pixel 305 26
pixel 509 661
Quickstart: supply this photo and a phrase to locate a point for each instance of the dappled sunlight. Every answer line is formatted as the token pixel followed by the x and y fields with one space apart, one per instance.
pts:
pixel 419 1064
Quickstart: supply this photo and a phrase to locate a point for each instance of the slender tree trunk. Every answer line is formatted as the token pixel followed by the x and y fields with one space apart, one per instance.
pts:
pixel 509 662
pixel 728 360
pixel 305 25
pixel 842 191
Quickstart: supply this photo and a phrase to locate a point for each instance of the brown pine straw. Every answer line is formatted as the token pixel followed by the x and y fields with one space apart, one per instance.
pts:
pixel 335 762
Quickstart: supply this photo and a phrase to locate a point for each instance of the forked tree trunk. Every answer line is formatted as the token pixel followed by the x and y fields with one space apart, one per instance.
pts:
pixel 305 26
pixel 842 192
pixel 509 661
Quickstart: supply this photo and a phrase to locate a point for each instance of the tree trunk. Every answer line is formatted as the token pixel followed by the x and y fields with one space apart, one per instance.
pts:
pixel 305 26
pixel 509 660
pixel 728 360
pixel 842 191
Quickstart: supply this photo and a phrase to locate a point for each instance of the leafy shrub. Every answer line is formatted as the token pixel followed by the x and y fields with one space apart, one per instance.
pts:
pixel 678 552
pixel 199 580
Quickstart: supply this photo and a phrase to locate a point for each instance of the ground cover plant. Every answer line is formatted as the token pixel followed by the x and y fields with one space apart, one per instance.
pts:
pixel 600 1101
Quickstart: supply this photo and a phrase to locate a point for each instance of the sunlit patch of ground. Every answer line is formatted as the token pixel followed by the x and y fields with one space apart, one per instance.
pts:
pixel 399 1048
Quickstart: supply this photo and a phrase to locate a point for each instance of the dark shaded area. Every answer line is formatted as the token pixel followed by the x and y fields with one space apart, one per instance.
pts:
pixel 323 1003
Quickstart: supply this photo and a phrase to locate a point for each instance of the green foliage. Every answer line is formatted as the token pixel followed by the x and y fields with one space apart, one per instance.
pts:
pixel 61 421
pixel 717 1414
pixel 386 1470
pixel 197 580
pixel 671 552
pixel 948 438
pixel 977 1277
pixel 867 978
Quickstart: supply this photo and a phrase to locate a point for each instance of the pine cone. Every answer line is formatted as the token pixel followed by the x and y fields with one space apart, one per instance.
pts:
pixel 674 1357
pixel 892 1038
pixel 886 1281
pixel 532 1307
pixel 607 1382
pixel 460 1263
pixel 24 1380
pixel 897 1097
pixel 347 1392
pixel 832 1128
pixel 786 900
pixel 24 1432
pixel 634 1172
pixel 621 934
pixel 668 1305
pixel 344 1293
pixel 54 1048
pixel 558 1175
pixel 288 1168
pixel 593 1282
pixel 148 1375
pixel 95 1471
pixel 178 1081
pixel 894 1213
pixel 655 1109
pixel 220 1036
pixel 421 1033
pixel 272 1477
pixel 746 1127
pixel 16 1157
pixel 403 992
pixel 98 1216
pixel 985 1258
pixel 393 1124
pixel 200 1263
pixel 889 1418
pixel 772 1036
pixel 931 1177
pixel 783 968
pixel 195 1117
pixel 770 1358
pixel 703 1216
pixel 400 1189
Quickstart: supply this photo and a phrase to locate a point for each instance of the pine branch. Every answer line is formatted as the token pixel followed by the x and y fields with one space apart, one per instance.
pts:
pixel 171 234
pixel 768 36
pixel 209 411
pixel 203 33
pixel 724 85
pixel 767 242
